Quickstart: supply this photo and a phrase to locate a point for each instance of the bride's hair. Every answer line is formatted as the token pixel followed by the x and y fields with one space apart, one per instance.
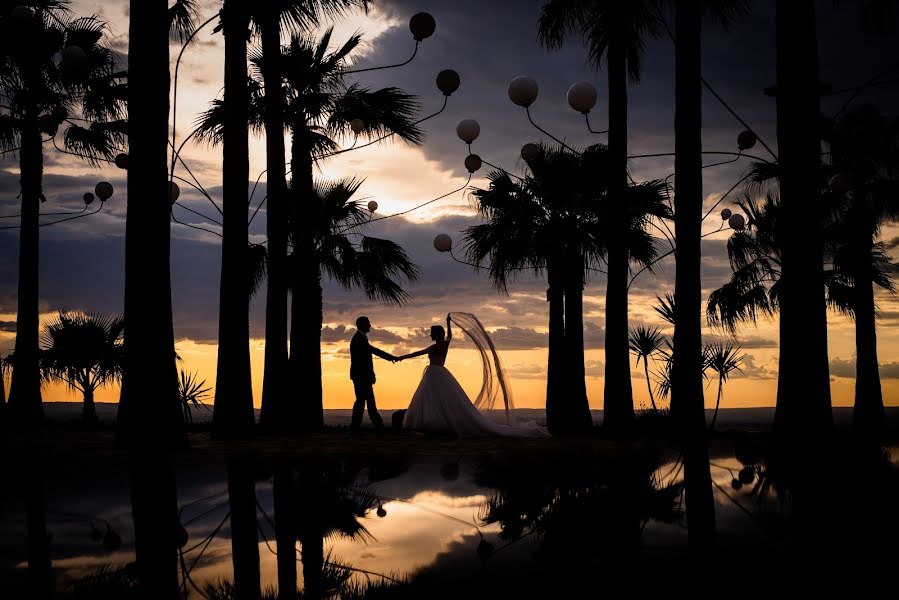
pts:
pixel 439 331
pixel 494 380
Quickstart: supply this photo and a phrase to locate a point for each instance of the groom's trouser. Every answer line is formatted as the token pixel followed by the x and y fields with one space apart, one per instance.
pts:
pixel 365 394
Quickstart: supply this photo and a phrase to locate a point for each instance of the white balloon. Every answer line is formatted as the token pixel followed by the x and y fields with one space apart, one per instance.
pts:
pixel 582 96
pixel 523 90
pixel 736 222
pixel 443 243
pixel 468 130
pixel 530 151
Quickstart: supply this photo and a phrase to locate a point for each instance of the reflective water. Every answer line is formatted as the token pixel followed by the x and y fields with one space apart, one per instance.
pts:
pixel 394 525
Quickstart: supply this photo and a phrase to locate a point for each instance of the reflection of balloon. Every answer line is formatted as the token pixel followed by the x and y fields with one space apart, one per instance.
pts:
pixel 468 130
pixel 448 81
pixel 443 243
pixel 747 475
pixel 736 484
pixel 181 536
pixel 357 125
pixel 840 183
pixel 174 192
pixel 372 206
pixel 485 549
pixel 103 190
pixel 88 198
pixel 725 214
pixel 746 140
pixel 736 222
pixel 530 152
pixel 422 25
pixel 121 160
pixel 472 162
pixel 43 198
pixel 582 96
pixel 382 512
pixel 523 90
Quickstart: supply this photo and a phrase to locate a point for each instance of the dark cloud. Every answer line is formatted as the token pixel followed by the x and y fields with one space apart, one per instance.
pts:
pixel 842 368
pixel 749 369
pixel 518 338
pixel 8 326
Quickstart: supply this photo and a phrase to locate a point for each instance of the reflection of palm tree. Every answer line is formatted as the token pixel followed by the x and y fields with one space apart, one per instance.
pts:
pixel 723 359
pixel 84 352
pixel 244 540
pixel 40 96
pixel 617 31
pixel 644 343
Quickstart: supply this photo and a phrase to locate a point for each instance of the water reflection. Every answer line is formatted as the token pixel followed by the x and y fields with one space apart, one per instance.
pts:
pixel 498 525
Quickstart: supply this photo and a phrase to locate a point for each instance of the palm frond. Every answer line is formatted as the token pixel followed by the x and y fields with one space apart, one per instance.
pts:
pixel 183 16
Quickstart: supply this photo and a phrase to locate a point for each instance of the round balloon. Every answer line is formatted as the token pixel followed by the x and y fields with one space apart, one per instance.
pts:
pixel 121 160
pixel 746 140
pixel 472 162
pixel 88 198
pixel 725 214
pixel 736 222
pixel 530 151
pixel 103 190
pixel 582 97
pixel 422 25
pixel 840 183
pixel 372 206
pixel 174 192
pixel 357 125
pixel 443 243
pixel 448 81
pixel 523 90
pixel 468 130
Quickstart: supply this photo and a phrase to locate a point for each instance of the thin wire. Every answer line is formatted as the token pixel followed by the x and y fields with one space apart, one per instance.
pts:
pixel 862 87
pixel 715 94
pixel 406 62
pixel 739 154
pixel 649 265
pixel 726 194
pixel 50 214
pixel 261 202
pixel 175 219
pixel 527 110
pixel 199 214
pixel 590 129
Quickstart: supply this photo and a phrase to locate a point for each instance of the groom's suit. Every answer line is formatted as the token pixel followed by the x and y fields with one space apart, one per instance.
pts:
pixel 362 372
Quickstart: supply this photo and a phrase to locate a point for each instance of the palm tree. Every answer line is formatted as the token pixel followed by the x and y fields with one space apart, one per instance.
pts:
pixel 233 414
pixel 723 359
pixel 864 148
pixel 617 31
pixel 80 94
pixel 644 343
pixel 319 108
pixel 341 251
pixel 192 390
pixel 85 352
pixel 540 224
pixel 149 409
pixel 295 16
pixel 803 383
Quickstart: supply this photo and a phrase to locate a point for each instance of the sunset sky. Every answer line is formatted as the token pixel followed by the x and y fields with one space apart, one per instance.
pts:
pixel 488 43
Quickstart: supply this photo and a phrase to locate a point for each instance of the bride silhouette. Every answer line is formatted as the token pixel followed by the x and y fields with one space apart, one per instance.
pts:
pixel 441 405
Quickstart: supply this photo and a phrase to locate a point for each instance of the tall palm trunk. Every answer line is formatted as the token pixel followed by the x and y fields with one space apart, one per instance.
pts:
pixel 284 497
pixel 687 402
pixel 652 399
pixel 555 364
pixel 868 415
pixel 618 395
pixel 244 541
pixel 25 390
pixel 149 409
pixel 803 383
pixel 233 413
pixel 275 413
pixel 577 409
pixel 304 363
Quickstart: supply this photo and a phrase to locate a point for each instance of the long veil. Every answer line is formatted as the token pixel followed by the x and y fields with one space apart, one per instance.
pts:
pixel 494 379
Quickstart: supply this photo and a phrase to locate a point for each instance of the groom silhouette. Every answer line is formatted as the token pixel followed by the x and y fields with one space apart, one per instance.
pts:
pixel 362 372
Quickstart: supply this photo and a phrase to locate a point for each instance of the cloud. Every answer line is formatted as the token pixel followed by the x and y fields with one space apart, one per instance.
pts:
pixel 842 368
pixel 518 338
pixel 8 326
pixel 750 370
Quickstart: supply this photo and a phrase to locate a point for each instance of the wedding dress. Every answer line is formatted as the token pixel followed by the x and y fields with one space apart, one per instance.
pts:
pixel 440 405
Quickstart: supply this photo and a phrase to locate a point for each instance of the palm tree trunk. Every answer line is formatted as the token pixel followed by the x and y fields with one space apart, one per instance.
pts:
pixel 304 363
pixel 555 364
pixel 618 396
pixel 40 580
pixel 717 402
pixel 233 410
pixel 275 403
pixel 652 399
pixel 150 408
pixel 803 383
pixel 89 410
pixel 283 492
pixel 25 404
pixel 868 415
pixel 687 402
pixel 577 409
pixel 154 508
pixel 244 541
pixel 699 499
